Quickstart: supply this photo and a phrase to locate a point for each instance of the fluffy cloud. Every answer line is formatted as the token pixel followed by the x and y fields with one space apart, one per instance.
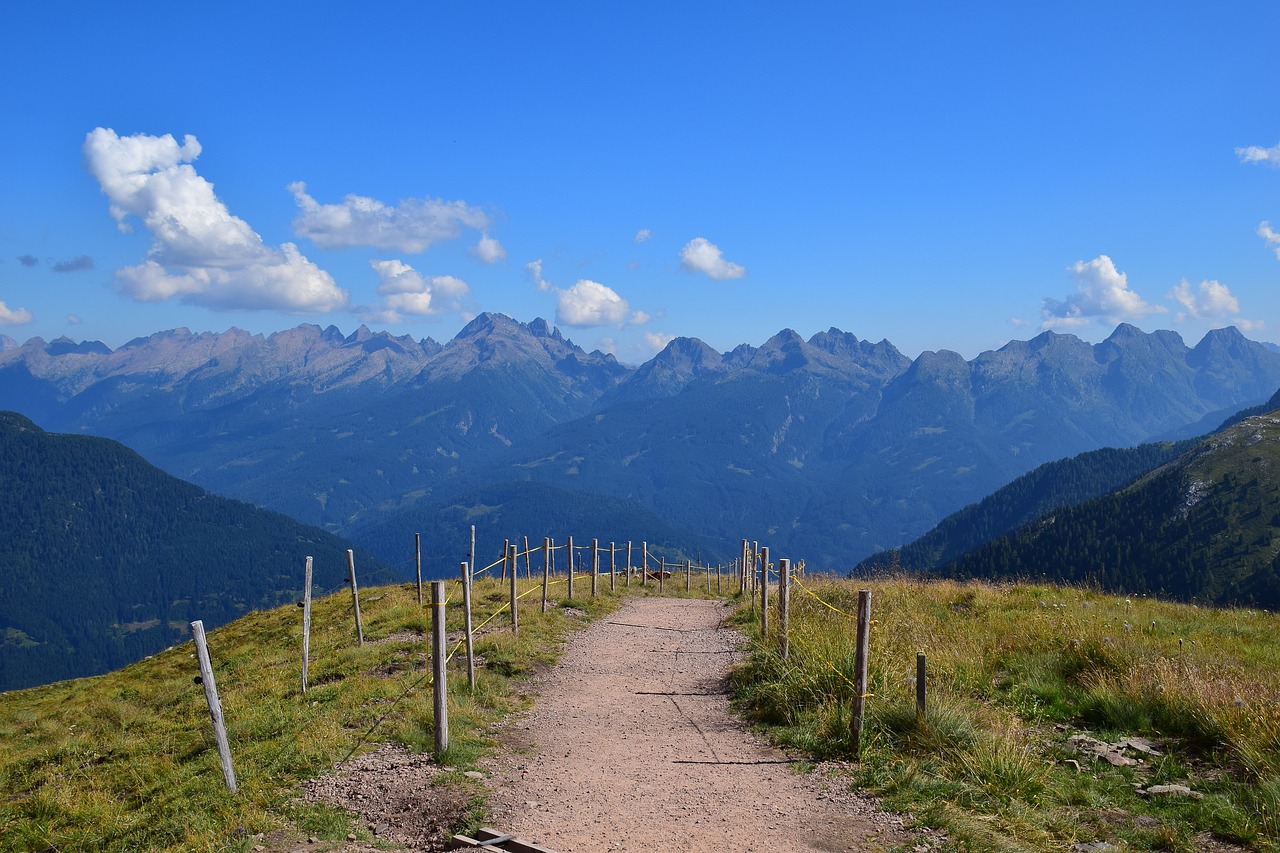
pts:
pixel 489 250
pixel 701 255
pixel 200 253
pixel 405 291
pixel 590 303
pixel 1258 155
pixel 411 226
pixel 1102 292
pixel 534 270
pixel 80 264
pixel 657 341
pixel 14 316
pixel 1266 232
pixel 1211 301
pixel 643 234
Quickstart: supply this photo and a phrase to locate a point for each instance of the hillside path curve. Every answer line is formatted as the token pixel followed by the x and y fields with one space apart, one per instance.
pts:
pixel 631 746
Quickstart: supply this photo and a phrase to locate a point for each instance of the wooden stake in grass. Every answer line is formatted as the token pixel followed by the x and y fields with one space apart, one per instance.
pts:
pixel 920 686
pixel 570 553
pixel 417 551
pixel 784 606
pixel 466 626
pixel 764 593
pixel 439 676
pixel 355 594
pixel 215 706
pixel 306 623
pixel 595 565
pixel 515 597
pixel 860 671
pixel 546 570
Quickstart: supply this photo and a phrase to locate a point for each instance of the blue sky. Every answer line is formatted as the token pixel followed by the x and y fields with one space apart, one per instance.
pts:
pixel 941 175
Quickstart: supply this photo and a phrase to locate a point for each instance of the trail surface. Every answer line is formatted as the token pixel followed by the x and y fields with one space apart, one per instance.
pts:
pixel 631 746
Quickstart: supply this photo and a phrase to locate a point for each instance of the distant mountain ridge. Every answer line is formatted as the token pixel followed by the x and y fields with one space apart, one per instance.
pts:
pixel 104 558
pixel 831 448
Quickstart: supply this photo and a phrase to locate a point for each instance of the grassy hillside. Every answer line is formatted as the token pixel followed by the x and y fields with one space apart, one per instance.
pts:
pixel 126 761
pixel 106 558
pixel 1014 673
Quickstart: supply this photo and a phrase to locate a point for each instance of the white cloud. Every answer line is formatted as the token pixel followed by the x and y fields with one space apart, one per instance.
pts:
pixel 1211 301
pixel 489 250
pixel 657 341
pixel 1017 321
pixel 411 226
pixel 200 253
pixel 534 271
pixel 405 291
pixel 701 255
pixel 639 318
pixel 643 234
pixel 1266 232
pixel 1259 155
pixel 14 316
pixel 74 320
pixel 1102 292
pixel 589 303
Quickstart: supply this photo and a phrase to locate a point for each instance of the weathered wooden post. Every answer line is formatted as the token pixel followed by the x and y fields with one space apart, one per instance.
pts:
pixel 628 562
pixel 662 574
pixel 764 593
pixel 506 558
pixel 306 623
pixel 546 570
pixel 613 567
pixel 215 705
pixel 784 605
pixel 355 593
pixel 688 576
pixel 417 554
pixel 439 675
pixel 742 566
pixel 466 626
pixel 528 561
pixel 644 564
pixel 595 565
pixel 920 688
pixel 515 597
pixel 860 667
pixel 707 571
pixel 570 553
pixel 719 588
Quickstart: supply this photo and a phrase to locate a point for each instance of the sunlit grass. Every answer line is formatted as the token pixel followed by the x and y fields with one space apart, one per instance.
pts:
pixel 1013 670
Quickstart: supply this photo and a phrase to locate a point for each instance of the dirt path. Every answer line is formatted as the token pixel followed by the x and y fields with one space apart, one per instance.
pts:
pixel 631 746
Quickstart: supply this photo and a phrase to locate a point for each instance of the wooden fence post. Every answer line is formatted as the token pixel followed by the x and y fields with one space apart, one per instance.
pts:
pixel 613 567
pixel 306 623
pixel 595 565
pixel 742 569
pixel 417 552
pixel 515 597
pixel 570 553
pixel 784 605
pixel 466 626
pixel 644 564
pixel 355 593
pixel 546 570
pixel 628 562
pixel 688 576
pixel 764 594
pixel 215 705
pixel 528 562
pixel 471 555
pixel 662 574
pixel 506 556
pixel 439 676
pixel 920 688
pixel 860 667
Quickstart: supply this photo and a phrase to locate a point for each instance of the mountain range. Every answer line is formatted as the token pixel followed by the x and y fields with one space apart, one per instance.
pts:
pixel 829 448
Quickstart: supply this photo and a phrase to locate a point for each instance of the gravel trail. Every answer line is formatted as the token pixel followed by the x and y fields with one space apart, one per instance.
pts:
pixel 631 746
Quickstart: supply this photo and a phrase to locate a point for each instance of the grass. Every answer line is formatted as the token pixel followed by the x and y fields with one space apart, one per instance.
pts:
pixel 127 761
pixel 1013 672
